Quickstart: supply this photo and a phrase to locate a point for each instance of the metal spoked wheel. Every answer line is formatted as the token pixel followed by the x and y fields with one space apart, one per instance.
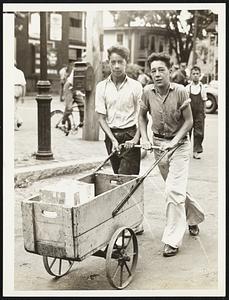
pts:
pixel 56 122
pixel 121 258
pixel 56 266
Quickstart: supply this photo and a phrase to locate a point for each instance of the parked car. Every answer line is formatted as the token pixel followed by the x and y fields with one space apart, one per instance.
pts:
pixel 212 93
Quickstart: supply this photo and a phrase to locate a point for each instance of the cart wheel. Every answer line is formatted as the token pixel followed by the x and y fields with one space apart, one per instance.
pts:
pixel 121 257
pixel 56 266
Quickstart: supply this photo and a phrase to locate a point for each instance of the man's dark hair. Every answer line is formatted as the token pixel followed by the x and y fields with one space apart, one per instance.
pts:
pixel 195 68
pixel 159 56
pixel 120 50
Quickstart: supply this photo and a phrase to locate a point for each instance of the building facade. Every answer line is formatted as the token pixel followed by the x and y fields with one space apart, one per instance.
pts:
pixel 66 41
pixel 141 41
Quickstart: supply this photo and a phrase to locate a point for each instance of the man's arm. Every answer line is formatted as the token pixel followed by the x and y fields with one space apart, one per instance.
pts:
pixel 142 123
pixel 107 130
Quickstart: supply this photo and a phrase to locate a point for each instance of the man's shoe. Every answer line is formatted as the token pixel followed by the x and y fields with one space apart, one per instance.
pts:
pixel 80 125
pixel 196 155
pixel 169 251
pixel 194 230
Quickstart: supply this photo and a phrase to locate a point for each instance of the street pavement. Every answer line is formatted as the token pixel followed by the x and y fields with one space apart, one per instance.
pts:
pixel 71 153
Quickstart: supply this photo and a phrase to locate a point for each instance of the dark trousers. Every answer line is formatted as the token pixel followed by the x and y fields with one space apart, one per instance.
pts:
pixel 128 161
pixel 198 115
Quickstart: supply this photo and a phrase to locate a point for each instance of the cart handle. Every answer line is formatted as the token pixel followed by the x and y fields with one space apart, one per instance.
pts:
pixel 141 179
pixel 140 146
pixel 103 163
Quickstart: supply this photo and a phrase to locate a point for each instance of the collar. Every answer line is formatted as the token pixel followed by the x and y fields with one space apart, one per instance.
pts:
pixel 171 86
pixel 199 83
pixel 125 79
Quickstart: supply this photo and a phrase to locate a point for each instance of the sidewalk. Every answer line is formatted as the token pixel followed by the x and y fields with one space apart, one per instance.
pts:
pixel 71 153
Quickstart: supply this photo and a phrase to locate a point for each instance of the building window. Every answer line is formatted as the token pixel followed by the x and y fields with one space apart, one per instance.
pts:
pixel 143 42
pixel 34 25
pixel 152 44
pixel 75 23
pixel 161 47
pixel 120 38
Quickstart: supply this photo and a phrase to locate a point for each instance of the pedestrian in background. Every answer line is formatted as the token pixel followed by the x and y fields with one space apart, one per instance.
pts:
pixel 19 94
pixel 63 73
pixel 117 102
pixel 177 75
pixel 73 96
pixel 169 106
pixel 143 78
pixel 198 97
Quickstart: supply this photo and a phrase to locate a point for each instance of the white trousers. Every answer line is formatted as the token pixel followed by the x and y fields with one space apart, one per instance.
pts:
pixel 181 208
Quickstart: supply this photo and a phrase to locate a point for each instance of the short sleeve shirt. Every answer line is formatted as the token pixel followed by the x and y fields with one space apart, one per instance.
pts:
pixel 19 78
pixel 167 117
pixel 195 89
pixel 70 77
pixel 121 106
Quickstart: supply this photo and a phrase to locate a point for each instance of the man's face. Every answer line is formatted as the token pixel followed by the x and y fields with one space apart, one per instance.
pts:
pixel 117 64
pixel 159 73
pixel 195 75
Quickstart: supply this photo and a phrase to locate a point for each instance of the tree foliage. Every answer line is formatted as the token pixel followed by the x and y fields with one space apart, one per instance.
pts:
pixel 180 30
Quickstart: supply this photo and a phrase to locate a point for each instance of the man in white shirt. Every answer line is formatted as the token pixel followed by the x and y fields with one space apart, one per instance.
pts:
pixel 63 73
pixel 117 102
pixel 71 96
pixel 198 97
pixel 19 93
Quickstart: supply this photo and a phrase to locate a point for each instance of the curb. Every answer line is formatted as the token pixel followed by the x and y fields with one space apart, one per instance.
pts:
pixel 25 175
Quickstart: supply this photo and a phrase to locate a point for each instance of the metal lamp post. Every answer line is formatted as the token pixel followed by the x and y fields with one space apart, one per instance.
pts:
pixel 43 98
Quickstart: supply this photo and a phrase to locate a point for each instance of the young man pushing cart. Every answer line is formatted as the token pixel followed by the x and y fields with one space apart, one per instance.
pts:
pixel 169 106
pixel 117 102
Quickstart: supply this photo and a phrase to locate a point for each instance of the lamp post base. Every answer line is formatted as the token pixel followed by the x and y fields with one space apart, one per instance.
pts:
pixel 44 155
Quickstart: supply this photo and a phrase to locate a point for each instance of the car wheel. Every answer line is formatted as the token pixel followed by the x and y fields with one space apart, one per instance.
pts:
pixel 211 104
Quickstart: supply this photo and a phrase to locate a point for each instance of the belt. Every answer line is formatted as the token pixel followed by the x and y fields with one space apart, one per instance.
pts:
pixel 162 136
pixel 18 85
pixel 123 129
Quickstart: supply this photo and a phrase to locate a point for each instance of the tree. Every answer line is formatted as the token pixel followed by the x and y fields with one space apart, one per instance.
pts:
pixel 180 30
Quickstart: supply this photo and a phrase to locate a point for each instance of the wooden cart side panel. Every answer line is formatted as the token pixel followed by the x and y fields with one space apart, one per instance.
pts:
pixel 100 209
pixel 28 225
pixel 99 236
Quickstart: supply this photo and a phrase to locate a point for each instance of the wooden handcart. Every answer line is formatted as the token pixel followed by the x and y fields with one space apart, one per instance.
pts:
pixel 102 227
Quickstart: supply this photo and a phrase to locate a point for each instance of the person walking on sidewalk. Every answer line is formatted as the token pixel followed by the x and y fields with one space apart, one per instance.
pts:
pixel 117 102
pixel 198 97
pixel 63 73
pixel 71 96
pixel 169 106
pixel 19 94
